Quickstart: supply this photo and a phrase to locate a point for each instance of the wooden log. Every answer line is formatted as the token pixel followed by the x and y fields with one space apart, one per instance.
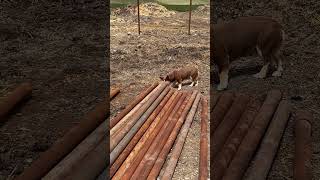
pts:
pixel 150 157
pixel 92 165
pixel 152 112
pixel 303 146
pixel 66 144
pixel 114 92
pixel 143 145
pixel 251 141
pixel 204 149
pixel 146 129
pixel 156 168
pixel 133 103
pixel 73 158
pixel 270 143
pixel 228 123
pixel 216 116
pixel 134 110
pixel 176 151
pixel 7 103
pixel 221 161
pixel 116 137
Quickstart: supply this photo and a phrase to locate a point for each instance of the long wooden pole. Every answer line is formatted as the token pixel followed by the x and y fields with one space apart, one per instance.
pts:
pixel 138 16
pixel 189 17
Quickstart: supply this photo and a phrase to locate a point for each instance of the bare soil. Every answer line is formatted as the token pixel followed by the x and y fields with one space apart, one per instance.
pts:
pixel 163 45
pixel 61 49
pixel 300 82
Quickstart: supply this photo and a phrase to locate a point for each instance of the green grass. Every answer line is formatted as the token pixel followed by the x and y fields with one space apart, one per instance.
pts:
pixel 176 5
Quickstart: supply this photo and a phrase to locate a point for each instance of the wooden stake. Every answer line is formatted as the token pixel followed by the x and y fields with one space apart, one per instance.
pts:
pixel 190 17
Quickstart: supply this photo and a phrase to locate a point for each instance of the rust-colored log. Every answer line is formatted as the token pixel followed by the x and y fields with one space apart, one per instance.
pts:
pixel 66 144
pixel 134 110
pixel 114 92
pixel 73 158
pixel 154 172
pixel 216 116
pixel 176 151
pixel 270 143
pixel 214 98
pixel 128 108
pixel 152 112
pixel 223 158
pixel 228 123
pixel 91 166
pixel 150 157
pixel 251 141
pixel 115 138
pixel 144 131
pixel 8 102
pixel 143 145
pixel 303 146
pixel 203 162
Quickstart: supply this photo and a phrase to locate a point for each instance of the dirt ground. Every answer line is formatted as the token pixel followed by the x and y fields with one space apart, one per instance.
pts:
pixel 138 61
pixel 300 82
pixel 61 50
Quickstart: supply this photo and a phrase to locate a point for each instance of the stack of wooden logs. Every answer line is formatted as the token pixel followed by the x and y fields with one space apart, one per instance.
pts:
pixel 143 134
pixel 245 132
pixel 81 153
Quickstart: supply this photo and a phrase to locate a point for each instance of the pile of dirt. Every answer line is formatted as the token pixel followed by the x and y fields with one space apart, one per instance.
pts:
pixel 203 9
pixel 146 9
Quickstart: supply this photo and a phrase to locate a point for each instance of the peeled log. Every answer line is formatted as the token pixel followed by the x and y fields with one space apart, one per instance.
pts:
pixel 136 155
pixel 116 137
pixel 150 157
pixel 128 108
pixel 229 121
pixel 270 143
pixel 8 102
pixel 152 112
pixel 144 131
pixel 66 144
pixel 73 158
pixel 216 116
pixel 114 92
pixel 203 162
pixel 221 162
pixel 251 141
pixel 303 148
pixel 176 151
pixel 171 139
pixel 92 165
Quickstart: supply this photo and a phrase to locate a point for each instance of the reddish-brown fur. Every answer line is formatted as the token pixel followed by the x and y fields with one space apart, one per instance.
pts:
pixel 178 75
pixel 240 38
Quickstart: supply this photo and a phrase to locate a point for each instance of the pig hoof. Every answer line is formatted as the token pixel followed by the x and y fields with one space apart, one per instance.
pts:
pixel 259 76
pixel 276 74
